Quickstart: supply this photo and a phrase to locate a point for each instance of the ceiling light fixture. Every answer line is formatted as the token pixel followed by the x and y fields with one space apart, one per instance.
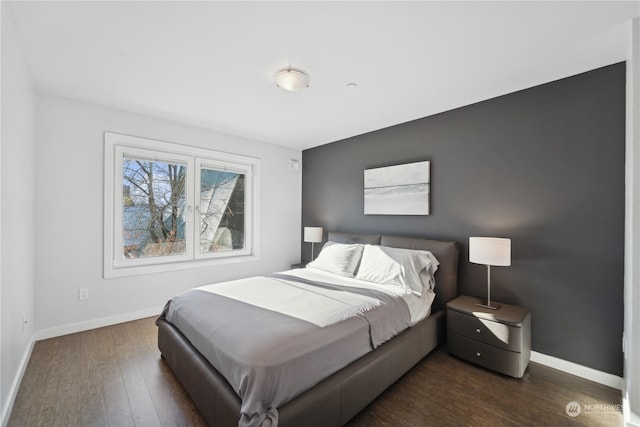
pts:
pixel 292 79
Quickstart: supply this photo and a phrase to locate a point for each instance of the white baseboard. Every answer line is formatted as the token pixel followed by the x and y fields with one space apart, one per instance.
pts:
pixel 15 385
pixel 590 374
pixel 95 323
pixel 631 419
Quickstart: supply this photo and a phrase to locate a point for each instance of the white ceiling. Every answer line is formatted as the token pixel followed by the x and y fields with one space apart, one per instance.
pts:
pixel 212 64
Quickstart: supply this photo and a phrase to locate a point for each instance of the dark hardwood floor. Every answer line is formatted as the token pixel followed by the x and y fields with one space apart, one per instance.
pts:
pixel 114 376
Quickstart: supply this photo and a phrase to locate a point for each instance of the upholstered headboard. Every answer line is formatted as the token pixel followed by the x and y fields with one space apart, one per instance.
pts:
pixel 445 251
pixel 366 239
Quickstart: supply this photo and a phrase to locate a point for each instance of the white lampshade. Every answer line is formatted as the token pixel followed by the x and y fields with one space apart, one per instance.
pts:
pixel 292 80
pixel 313 234
pixel 490 251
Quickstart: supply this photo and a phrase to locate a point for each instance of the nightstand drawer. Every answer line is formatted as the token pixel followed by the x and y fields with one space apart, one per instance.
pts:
pixel 505 361
pixel 486 331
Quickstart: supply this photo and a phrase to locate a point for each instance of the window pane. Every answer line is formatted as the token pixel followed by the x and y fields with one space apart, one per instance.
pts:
pixel 222 215
pixel 153 208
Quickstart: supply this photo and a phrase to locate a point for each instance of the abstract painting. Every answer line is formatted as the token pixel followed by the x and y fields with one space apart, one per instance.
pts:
pixel 397 190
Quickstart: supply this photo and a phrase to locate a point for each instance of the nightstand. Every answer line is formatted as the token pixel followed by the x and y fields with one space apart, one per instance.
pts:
pixel 496 339
pixel 299 265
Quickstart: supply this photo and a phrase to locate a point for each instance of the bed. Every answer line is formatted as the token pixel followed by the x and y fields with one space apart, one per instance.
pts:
pixel 340 396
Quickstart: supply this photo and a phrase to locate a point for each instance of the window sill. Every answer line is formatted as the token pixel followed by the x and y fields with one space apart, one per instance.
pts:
pixel 111 272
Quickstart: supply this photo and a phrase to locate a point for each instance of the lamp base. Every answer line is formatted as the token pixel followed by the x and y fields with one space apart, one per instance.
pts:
pixel 489 306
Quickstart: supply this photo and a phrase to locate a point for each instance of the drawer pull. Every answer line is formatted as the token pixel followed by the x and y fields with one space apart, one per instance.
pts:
pixel 478 353
pixel 478 330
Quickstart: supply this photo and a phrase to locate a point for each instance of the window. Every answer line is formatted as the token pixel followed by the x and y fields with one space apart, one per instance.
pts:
pixel 169 206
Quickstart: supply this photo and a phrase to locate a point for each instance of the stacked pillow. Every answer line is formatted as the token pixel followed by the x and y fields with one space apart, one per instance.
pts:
pixel 338 258
pixel 413 270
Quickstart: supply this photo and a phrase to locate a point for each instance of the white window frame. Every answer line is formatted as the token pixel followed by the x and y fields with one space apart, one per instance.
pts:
pixel 248 204
pixel 121 151
pixel 116 147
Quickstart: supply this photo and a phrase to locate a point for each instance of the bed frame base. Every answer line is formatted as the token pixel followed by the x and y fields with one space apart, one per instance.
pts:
pixel 332 402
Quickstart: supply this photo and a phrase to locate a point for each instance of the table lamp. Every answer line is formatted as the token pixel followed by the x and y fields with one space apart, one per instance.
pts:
pixel 490 251
pixel 313 235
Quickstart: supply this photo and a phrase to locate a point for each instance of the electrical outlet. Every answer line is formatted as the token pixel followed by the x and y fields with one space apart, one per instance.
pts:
pixel 83 294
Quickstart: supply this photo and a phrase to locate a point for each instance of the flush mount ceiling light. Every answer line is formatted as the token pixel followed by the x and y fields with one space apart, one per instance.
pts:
pixel 292 79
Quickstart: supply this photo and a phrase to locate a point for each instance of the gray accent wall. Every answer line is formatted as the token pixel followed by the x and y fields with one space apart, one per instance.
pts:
pixel 543 166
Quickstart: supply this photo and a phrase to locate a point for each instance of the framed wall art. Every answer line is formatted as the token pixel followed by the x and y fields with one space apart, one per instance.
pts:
pixel 397 190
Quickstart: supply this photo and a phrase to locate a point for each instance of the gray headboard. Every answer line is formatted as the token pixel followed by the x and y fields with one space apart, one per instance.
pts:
pixel 445 251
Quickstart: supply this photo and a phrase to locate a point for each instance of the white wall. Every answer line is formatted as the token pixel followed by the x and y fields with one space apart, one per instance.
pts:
pixel 17 214
pixel 632 263
pixel 69 216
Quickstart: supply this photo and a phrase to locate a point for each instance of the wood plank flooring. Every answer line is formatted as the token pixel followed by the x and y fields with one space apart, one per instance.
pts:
pixel 114 376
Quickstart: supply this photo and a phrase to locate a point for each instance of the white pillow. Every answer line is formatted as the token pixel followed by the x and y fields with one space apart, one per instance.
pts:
pixel 338 258
pixel 427 276
pixel 399 267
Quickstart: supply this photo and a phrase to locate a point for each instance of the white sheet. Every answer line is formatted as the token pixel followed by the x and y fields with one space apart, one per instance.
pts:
pixel 336 306
pixel 419 306
pixel 322 307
